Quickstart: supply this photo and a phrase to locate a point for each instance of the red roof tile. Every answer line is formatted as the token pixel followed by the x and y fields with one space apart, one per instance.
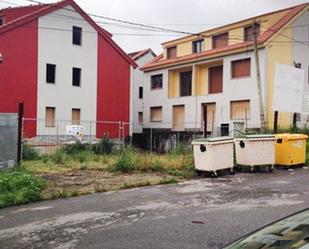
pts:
pixel 159 61
pixel 136 55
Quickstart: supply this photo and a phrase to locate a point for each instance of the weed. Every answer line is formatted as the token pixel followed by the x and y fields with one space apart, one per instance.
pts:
pixel 29 153
pixel 59 157
pixel 105 146
pixel 168 181
pixel 83 167
pixel 76 148
pixel 127 161
pixel 19 187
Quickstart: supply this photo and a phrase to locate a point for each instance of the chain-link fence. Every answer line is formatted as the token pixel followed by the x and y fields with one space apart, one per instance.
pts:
pixel 49 135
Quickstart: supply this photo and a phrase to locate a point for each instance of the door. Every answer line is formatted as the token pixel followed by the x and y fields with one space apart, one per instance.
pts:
pixel 209 111
pixel 178 118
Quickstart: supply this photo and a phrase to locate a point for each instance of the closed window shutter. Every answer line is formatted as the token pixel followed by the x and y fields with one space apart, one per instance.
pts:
pixel 178 118
pixel 50 116
pixel 220 41
pixel 216 79
pixel 241 68
pixel 75 116
pixel 171 52
pixel 156 114
pixel 240 109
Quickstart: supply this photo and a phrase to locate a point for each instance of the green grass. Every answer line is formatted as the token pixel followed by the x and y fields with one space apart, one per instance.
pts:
pixel 19 187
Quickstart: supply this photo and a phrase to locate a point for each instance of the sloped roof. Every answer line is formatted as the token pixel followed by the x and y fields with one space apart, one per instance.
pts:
pixel 138 54
pixel 160 61
pixel 16 17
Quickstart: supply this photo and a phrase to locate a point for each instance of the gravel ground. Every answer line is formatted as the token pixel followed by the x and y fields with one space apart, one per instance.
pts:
pixel 202 213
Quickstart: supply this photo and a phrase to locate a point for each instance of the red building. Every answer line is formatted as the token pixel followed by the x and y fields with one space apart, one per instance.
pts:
pixel 63 66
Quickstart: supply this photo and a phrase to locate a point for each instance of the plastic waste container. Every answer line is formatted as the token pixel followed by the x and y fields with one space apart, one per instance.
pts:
pixel 256 151
pixel 213 154
pixel 290 149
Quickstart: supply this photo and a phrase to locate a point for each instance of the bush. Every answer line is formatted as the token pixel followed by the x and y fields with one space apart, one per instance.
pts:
pixel 105 146
pixel 29 153
pixel 126 162
pixel 59 157
pixel 78 147
pixel 19 187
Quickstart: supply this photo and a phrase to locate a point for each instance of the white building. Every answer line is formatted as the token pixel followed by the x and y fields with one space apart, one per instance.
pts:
pixel 211 77
pixel 137 88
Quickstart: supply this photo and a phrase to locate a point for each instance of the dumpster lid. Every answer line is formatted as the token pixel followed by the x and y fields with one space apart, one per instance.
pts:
pixel 212 140
pixel 289 136
pixel 255 136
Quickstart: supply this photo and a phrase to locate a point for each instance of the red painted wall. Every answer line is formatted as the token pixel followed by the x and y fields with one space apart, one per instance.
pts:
pixel 113 95
pixel 18 72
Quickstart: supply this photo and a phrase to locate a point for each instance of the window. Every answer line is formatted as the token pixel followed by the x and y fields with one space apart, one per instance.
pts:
pixel 156 114
pixel 185 84
pixel 75 116
pixel 220 41
pixel 76 76
pixel 77 35
pixel 178 118
pixel 248 32
pixel 50 116
pixel 140 117
pixel 197 46
pixel 215 79
pixel 156 81
pixel 140 92
pixel 240 109
pixel 50 73
pixel 171 52
pixel 241 68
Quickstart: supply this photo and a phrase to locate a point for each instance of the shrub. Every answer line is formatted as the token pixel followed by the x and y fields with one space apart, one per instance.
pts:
pixel 29 153
pixel 59 157
pixel 105 146
pixel 76 148
pixel 127 161
pixel 19 187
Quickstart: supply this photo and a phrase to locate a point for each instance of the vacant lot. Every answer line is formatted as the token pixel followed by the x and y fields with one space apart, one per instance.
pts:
pixel 78 169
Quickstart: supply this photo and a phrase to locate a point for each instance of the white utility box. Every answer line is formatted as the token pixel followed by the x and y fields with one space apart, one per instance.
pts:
pixel 256 151
pixel 213 154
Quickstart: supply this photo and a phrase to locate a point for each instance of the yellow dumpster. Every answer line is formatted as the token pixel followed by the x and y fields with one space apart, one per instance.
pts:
pixel 290 149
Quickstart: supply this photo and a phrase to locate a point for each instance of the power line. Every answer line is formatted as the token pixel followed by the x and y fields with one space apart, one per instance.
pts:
pixel 235 38
pixel 122 21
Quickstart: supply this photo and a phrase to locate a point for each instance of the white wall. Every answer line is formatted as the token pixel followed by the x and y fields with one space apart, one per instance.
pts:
pixel 233 89
pixel 55 47
pixel 137 79
pixel 300 52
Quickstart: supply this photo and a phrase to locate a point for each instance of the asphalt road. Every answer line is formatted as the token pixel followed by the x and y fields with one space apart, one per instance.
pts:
pixel 202 213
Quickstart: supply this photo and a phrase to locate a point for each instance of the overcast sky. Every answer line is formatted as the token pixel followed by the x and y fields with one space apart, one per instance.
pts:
pixel 184 15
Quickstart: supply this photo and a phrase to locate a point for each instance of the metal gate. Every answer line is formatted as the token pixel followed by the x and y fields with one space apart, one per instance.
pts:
pixel 8 140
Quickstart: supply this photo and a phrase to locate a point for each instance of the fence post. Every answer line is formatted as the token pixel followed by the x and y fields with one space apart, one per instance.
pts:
pixel 19 134
pixel 294 121
pixel 150 139
pixel 276 122
pixel 90 132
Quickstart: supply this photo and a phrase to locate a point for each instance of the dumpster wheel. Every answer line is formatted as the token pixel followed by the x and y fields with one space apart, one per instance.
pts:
pixel 214 174
pixel 271 168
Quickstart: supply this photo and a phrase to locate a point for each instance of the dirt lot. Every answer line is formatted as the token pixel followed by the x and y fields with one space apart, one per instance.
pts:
pixel 78 182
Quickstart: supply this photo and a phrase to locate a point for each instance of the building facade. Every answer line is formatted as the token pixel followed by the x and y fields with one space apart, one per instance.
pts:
pixel 208 82
pixel 65 68
pixel 137 88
